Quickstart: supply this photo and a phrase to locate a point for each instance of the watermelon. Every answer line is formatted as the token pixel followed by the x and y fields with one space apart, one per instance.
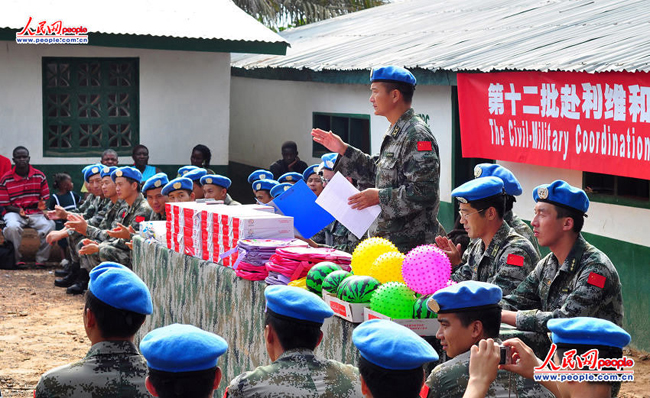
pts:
pixel 393 299
pixel 421 310
pixel 357 289
pixel 317 274
pixel 332 281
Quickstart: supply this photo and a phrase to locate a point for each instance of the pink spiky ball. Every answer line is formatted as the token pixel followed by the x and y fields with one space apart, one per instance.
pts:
pixel 426 269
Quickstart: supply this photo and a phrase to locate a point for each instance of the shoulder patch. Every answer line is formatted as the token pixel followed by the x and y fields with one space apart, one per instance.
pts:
pixel 425 146
pixel 515 259
pixel 596 280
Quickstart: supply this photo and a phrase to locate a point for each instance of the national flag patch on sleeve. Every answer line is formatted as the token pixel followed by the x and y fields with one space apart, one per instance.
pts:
pixel 425 146
pixel 515 259
pixel 424 392
pixel 139 218
pixel 596 280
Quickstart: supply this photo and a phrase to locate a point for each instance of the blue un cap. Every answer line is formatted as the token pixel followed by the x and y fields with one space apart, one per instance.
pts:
pixel 510 182
pixel 264 185
pixel 562 194
pixel 182 348
pixel 91 170
pixel 177 184
pixel 196 174
pixel 465 296
pixel 185 169
pixel 121 288
pixel 157 180
pixel 313 169
pixel 279 189
pixel 106 171
pixel 586 331
pixel 127 172
pixel 216 179
pixel 291 177
pixel 328 161
pixel 392 346
pixel 260 175
pixel 478 188
pixel 296 303
pixel 392 74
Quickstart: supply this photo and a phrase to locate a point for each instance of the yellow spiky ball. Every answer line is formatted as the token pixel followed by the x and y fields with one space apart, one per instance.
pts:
pixel 367 252
pixel 388 267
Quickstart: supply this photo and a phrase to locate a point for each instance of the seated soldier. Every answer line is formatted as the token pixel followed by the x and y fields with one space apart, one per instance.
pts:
pixel 117 303
pixel 280 189
pixel 575 279
pixel 195 175
pixel 184 170
pixel 179 190
pixel 469 312
pixel 294 318
pixel 182 361
pixel 260 174
pixel 497 253
pixel 262 190
pixel 291 177
pixel 391 360
pixel 152 190
pixel 313 180
pixel 216 187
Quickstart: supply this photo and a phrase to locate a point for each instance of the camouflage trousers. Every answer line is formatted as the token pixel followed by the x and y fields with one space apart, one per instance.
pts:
pixel 88 261
pixel 108 252
pixel 74 243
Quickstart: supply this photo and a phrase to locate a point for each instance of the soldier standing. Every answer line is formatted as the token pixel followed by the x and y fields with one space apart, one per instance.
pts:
pixel 117 304
pixel 575 279
pixel 405 174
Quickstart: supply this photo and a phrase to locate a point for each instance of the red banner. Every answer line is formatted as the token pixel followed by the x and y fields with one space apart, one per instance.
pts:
pixel 572 120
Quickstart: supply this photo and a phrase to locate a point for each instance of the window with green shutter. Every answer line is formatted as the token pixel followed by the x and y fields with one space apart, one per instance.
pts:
pixel 89 105
pixel 354 129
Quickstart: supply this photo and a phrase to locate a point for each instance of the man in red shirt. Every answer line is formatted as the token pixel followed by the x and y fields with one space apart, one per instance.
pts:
pixel 5 165
pixel 23 193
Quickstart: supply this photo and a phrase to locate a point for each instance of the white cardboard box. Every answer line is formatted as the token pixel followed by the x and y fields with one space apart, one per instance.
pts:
pixel 423 327
pixel 351 312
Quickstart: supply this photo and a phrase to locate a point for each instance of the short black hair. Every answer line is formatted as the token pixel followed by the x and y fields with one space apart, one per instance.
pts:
pixel 59 178
pixel 577 216
pixel 18 148
pixel 385 383
pixel 205 151
pixel 496 201
pixel 510 202
pixel 183 384
pixel 290 145
pixel 490 318
pixel 405 89
pixel 139 146
pixel 113 322
pixel 294 334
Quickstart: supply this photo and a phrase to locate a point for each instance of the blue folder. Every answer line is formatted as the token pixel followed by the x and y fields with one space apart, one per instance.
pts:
pixel 299 202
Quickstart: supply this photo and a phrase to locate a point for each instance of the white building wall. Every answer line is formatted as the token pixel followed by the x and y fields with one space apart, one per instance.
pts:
pixel 184 100
pixel 618 222
pixel 265 113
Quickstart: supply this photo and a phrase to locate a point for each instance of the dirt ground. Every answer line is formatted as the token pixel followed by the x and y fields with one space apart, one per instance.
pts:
pixel 41 328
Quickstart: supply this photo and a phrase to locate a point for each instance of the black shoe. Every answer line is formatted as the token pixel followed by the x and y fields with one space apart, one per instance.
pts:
pixel 71 278
pixel 61 273
pixel 77 288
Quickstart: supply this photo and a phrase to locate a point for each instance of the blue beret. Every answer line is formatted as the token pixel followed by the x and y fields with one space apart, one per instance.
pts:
pixel 296 303
pixel 83 171
pixel 157 180
pixel 260 175
pixel 478 188
pixel 186 169
pixel 562 194
pixel 313 169
pixel 392 74
pixel 465 296
pixel 290 177
pixel 106 171
pixel 91 170
pixel 121 288
pixel 264 185
pixel 510 182
pixel 279 189
pixel 127 172
pixel 328 161
pixel 392 346
pixel 196 174
pixel 216 179
pixel 587 331
pixel 182 348
pixel 176 184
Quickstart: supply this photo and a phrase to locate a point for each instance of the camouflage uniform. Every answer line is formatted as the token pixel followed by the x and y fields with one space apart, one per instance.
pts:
pixel 407 175
pixel 567 290
pixel 158 216
pixel 94 213
pixel 298 373
pixel 499 264
pixel 110 369
pixel 450 379
pixel 99 234
pixel 116 249
pixel 228 201
pixel 522 229
pixel 335 235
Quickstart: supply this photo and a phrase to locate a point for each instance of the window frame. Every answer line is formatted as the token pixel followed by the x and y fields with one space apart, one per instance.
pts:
pixel 317 153
pixel 615 198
